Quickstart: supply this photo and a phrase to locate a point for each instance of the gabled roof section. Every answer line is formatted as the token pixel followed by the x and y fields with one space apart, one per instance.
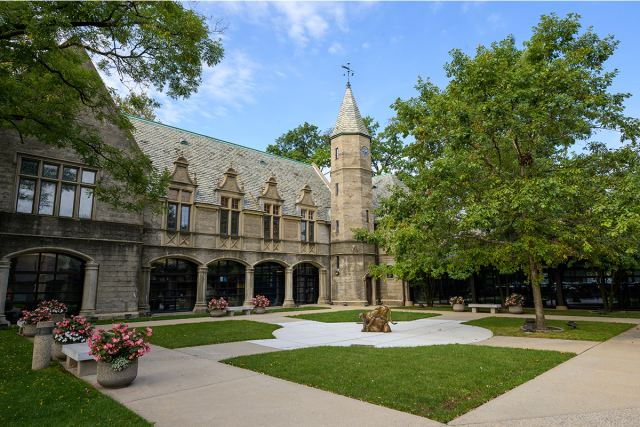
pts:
pixel 383 187
pixel 349 119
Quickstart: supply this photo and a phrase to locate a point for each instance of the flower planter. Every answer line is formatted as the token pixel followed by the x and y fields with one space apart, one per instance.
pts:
pixel 515 309
pixel 216 312
pixel 458 307
pixel 258 310
pixel 29 330
pixel 109 378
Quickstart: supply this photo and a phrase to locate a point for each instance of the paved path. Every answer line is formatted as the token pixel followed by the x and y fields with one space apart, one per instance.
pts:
pixel 599 387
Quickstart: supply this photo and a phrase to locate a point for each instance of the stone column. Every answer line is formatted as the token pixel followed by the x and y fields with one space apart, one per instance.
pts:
pixel 42 345
pixel 201 299
pixel 288 288
pixel 143 298
pixel 374 291
pixel 248 286
pixel 322 285
pixel 90 289
pixel 5 266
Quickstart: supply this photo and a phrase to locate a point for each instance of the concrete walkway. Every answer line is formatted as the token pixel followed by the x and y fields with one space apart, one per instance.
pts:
pixel 599 387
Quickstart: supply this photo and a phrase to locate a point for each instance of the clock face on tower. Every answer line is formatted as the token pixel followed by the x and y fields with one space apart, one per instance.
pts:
pixel 365 151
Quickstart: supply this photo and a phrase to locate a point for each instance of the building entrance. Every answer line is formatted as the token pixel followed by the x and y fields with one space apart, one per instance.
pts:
pixel 173 285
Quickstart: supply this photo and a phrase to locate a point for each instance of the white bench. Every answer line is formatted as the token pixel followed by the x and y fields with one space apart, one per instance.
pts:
pixel 245 310
pixel 494 307
pixel 79 363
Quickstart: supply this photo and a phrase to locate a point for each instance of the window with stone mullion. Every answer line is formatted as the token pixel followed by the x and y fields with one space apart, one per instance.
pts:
pixel 179 210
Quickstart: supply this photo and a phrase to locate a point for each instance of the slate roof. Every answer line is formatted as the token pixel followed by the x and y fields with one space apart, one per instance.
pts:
pixel 209 158
pixel 383 186
pixel 349 119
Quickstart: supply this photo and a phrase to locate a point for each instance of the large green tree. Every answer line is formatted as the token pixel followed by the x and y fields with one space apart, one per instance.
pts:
pixel 495 181
pixel 50 90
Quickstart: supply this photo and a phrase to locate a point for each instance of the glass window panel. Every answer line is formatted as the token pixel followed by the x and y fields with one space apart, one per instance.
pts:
pixel 67 200
pixel 173 195
pixel 26 192
pixel 68 263
pixel 267 208
pixel 224 222
pixel 276 210
pixel 267 227
pixel 47 262
pixel 26 263
pixel 186 196
pixel 311 215
pixel 47 197
pixel 235 222
pixel 172 265
pixel 184 218
pixel 86 203
pixel 276 227
pixel 88 177
pixel 224 201
pixel 70 174
pixel 50 171
pixel 304 214
pixel 29 167
pixel 303 231
pixel 235 203
pixel 172 216
pixel 311 232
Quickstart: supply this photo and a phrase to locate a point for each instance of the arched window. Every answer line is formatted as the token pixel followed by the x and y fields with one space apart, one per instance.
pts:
pixel 305 284
pixel 173 285
pixel 45 276
pixel 225 279
pixel 269 281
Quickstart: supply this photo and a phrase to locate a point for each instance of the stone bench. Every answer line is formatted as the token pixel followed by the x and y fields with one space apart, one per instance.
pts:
pixel 245 310
pixel 494 307
pixel 79 363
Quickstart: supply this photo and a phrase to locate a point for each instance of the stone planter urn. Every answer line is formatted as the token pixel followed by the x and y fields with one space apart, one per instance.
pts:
pixel 109 378
pixel 218 312
pixel 515 309
pixel 29 330
pixel 258 310
pixel 57 317
pixel 458 307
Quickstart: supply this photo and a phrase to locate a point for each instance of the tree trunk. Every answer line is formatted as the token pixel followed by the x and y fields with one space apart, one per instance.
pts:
pixel 506 282
pixel 500 287
pixel 432 289
pixel 541 322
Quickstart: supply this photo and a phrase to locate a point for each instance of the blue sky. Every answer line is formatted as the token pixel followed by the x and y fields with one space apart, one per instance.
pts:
pixel 283 60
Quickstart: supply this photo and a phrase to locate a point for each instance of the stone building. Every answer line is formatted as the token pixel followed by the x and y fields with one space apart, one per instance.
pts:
pixel 238 223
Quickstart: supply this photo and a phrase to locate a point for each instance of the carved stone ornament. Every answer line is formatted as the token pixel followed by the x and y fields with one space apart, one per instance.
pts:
pixel 376 320
pixel 230 182
pixel 271 189
pixel 181 171
pixel 305 196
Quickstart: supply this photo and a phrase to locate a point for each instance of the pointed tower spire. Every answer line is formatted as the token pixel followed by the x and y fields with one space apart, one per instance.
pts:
pixel 349 119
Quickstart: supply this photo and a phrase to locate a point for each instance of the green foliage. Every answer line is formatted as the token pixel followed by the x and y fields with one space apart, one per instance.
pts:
pixel 138 105
pixel 419 380
pixel 305 144
pixel 51 92
pixel 387 148
pixel 51 396
pixel 345 316
pixel 495 183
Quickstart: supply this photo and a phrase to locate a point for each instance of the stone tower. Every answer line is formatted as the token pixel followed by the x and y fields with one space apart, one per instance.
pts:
pixel 351 206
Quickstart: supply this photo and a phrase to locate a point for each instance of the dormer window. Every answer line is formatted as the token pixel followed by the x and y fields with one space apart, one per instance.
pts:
pixel 229 219
pixel 179 209
pixel 271 222
pixel 307 226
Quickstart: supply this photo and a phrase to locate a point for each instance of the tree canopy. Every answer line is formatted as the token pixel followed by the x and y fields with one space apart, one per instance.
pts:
pixel 50 90
pixel 495 181
pixel 139 105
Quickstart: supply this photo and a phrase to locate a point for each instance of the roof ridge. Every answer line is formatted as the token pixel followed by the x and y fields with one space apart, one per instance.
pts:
pixel 216 139
pixel 381 175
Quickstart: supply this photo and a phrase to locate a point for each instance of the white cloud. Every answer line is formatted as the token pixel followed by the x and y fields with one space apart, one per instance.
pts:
pixel 336 49
pixel 436 6
pixel 366 45
pixel 281 74
pixel 493 18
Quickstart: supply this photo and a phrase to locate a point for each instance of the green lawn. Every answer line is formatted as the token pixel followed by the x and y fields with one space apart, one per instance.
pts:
pixel 51 397
pixel 352 316
pixel 439 382
pixel 204 333
pixel 547 311
pixel 194 316
pixel 587 331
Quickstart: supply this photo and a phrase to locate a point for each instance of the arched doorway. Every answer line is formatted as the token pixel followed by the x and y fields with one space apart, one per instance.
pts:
pixel 225 279
pixel 45 276
pixel 305 284
pixel 173 285
pixel 269 281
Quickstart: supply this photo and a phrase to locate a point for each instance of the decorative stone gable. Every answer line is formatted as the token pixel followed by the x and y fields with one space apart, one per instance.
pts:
pixel 271 189
pixel 181 171
pixel 230 181
pixel 305 196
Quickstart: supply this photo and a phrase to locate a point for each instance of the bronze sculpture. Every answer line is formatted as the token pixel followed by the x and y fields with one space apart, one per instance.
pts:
pixel 376 320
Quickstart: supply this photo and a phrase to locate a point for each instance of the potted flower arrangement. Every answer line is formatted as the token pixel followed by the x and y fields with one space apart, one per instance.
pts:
pixel 31 319
pixel 259 303
pixel 457 303
pixel 117 352
pixel 56 308
pixel 70 331
pixel 217 306
pixel 514 302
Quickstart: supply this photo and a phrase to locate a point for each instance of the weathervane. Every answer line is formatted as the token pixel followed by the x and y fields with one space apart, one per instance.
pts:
pixel 349 70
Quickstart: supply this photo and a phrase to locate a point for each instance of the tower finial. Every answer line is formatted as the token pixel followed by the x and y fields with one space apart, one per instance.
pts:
pixel 349 70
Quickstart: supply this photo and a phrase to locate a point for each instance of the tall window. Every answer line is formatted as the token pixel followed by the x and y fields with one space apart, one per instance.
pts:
pixel 229 216
pixel 337 189
pixel 225 279
pixel 173 285
pixel 307 226
pixel 271 222
pixel 179 210
pixel 367 216
pixel 54 189
pixel 305 284
pixel 336 153
pixel 269 281
pixel 337 226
